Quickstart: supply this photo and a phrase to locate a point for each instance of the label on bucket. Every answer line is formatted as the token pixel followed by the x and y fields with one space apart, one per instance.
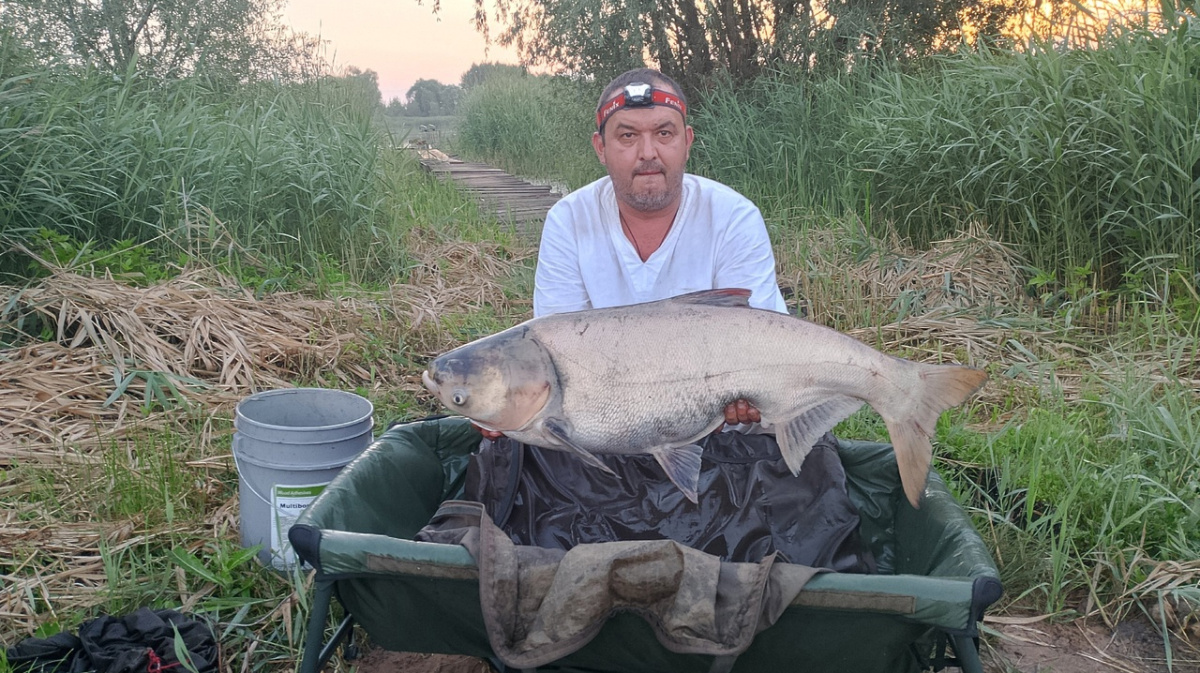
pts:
pixel 287 504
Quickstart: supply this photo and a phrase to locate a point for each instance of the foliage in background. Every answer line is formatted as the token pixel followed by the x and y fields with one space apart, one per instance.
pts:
pixel 429 98
pixel 479 73
pixel 1088 160
pixel 695 41
pixel 539 127
pixel 232 40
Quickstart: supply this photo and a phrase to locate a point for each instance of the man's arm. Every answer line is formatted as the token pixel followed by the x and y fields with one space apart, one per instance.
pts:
pixel 558 282
pixel 748 261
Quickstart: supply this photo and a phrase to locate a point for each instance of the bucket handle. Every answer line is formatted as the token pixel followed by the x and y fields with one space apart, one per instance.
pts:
pixel 238 466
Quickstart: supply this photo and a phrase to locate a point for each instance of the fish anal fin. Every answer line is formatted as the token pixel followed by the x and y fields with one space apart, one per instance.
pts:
pixel 734 297
pixel 560 430
pixel 682 465
pixel 797 435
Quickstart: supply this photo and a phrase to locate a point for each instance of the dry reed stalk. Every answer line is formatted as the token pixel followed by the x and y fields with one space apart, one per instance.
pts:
pixel 197 338
pixel 1167 591
pixel 456 278
pixel 67 567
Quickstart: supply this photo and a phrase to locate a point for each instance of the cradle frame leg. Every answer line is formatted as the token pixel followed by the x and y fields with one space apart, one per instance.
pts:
pixel 316 652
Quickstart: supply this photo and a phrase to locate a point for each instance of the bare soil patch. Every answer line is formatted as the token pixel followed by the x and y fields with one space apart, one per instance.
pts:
pixel 383 661
pixel 1135 646
pixel 1081 646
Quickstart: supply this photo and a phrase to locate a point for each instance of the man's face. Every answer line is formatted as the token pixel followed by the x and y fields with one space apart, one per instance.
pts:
pixel 645 151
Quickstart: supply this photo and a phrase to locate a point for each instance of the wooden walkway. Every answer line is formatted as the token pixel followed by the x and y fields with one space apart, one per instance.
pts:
pixel 509 198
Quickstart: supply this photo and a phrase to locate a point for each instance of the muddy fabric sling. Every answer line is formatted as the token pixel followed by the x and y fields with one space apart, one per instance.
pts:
pixel 540 605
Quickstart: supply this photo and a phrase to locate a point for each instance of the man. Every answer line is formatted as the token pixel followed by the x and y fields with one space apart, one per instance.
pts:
pixel 649 230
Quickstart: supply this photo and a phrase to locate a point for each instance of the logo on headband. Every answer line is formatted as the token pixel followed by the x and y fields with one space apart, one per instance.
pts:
pixel 638 95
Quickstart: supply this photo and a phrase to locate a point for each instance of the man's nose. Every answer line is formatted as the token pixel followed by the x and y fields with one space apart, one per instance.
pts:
pixel 647 148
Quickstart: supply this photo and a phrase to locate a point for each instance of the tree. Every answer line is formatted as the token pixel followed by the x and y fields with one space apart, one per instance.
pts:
pixel 395 108
pixel 695 40
pixel 244 39
pixel 367 81
pixel 479 73
pixel 429 98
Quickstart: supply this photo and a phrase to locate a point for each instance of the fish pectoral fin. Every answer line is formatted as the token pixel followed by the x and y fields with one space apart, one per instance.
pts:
pixel 797 436
pixel 560 430
pixel 682 465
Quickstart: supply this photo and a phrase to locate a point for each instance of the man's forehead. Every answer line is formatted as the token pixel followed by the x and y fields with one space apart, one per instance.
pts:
pixel 645 117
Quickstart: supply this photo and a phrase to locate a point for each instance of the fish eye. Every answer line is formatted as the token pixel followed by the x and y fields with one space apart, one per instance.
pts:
pixel 459 399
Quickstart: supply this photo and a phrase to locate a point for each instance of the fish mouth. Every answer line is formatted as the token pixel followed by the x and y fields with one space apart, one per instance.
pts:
pixel 430 384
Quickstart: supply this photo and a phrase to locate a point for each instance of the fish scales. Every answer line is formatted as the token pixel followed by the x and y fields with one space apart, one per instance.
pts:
pixel 654 378
pixel 601 377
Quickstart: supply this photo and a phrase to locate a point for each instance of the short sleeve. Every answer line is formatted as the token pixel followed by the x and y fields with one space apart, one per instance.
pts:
pixel 558 285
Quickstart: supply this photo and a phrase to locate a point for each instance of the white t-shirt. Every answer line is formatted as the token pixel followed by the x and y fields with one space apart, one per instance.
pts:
pixel 718 240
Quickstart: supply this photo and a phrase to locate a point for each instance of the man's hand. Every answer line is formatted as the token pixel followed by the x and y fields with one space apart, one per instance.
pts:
pixel 495 434
pixel 741 412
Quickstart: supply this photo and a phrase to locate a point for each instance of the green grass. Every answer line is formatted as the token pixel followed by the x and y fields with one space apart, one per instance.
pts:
pixel 1069 489
pixel 536 127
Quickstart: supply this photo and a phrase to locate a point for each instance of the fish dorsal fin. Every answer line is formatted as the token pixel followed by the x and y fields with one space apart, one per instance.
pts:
pixel 734 297
pixel 797 435
pixel 560 430
pixel 682 465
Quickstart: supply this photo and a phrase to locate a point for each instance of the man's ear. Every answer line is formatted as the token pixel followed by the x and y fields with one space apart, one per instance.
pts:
pixel 598 145
pixel 690 136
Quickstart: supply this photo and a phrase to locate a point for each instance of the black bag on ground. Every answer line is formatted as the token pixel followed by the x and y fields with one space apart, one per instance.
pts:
pixel 135 643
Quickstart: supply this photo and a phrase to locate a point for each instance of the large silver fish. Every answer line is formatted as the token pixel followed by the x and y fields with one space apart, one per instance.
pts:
pixel 654 378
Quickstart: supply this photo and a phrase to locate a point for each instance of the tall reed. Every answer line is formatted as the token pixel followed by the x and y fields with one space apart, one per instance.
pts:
pixel 776 140
pixel 1089 159
pixel 538 127
pixel 288 171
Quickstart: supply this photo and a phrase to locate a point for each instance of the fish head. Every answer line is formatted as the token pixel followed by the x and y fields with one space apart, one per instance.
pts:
pixel 501 382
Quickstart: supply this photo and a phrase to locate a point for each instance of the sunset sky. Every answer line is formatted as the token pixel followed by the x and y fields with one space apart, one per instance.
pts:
pixel 404 41
pixel 398 39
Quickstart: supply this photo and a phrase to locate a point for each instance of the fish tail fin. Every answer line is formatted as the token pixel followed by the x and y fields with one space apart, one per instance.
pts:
pixel 944 387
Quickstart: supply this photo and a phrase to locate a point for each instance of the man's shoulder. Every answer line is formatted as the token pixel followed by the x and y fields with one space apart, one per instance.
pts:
pixel 714 191
pixel 579 214
pixel 587 195
pixel 722 206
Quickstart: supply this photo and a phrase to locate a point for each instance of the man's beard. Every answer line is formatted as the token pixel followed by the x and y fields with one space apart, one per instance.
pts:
pixel 652 200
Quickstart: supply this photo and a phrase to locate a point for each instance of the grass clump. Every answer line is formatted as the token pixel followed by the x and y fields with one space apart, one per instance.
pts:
pixel 1070 488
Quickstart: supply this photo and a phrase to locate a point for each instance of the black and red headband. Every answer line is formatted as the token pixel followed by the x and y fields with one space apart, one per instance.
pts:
pixel 638 95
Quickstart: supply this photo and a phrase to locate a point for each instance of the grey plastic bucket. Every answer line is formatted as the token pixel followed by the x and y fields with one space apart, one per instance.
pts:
pixel 288 445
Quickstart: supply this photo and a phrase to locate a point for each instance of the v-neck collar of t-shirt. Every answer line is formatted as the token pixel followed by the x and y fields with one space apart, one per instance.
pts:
pixel 643 274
